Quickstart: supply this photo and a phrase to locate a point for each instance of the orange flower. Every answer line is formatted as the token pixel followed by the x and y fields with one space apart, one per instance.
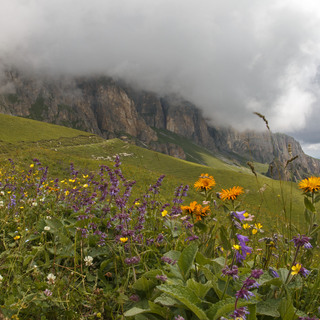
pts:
pixel 205 182
pixel 232 193
pixel 197 210
pixel 311 184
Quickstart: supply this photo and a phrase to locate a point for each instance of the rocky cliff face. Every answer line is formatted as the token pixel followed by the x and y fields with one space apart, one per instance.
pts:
pixel 112 109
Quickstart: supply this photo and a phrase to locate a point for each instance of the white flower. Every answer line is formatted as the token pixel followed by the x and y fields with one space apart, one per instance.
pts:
pixel 2 193
pixel 46 228
pixel 1 203
pixel 1 278
pixel 51 277
pixel 48 217
pixel 88 260
pixel 34 204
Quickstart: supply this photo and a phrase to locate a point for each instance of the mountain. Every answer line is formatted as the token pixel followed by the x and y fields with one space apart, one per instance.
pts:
pixel 112 109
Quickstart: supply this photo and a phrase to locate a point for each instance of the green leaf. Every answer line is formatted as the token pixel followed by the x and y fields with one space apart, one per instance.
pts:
pixel 269 308
pixel 144 284
pixel 308 204
pixel 221 308
pixel 225 238
pixel 199 289
pixel 161 311
pixel 252 312
pixel 186 259
pixel 187 297
pixel 286 308
pixel 202 260
pixel 134 311
pixel 166 300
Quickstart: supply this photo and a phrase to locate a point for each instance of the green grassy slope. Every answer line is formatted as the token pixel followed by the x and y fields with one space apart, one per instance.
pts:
pixel 57 146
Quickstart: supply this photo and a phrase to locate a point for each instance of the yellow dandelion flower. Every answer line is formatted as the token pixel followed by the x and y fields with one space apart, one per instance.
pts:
pixel 123 240
pixel 246 214
pixel 295 269
pixel 231 194
pixel 236 246
pixel 205 182
pixel 311 184
pixel 16 237
pixel 31 165
pixel 137 203
pixel 85 185
pixel 254 231
pixel 72 180
pixel 164 213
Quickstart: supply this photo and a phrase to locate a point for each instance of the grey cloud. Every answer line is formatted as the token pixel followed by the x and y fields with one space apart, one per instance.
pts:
pixel 229 57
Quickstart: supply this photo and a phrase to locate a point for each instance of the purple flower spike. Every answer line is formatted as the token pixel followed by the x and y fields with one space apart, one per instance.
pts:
pixel 240 313
pixel 244 293
pixel 233 272
pixel 256 273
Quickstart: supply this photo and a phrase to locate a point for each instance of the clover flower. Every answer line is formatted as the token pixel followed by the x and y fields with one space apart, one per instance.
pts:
pixel 88 260
pixel 51 278
pixel 47 292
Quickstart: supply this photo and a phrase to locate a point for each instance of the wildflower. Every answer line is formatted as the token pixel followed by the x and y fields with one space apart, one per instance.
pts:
pixel 244 293
pixel 98 315
pixel 134 298
pixel 31 165
pixel 273 273
pixel 197 210
pixel 302 240
pixel 256 273
pixel 246 226
pixel 46 228
pixel 162 277
pixel 231 194
pixel 47 292
pixel 34 204
pixel 123 239
pixel 88 260
pixel 239 215
pixel 240 313
pixel 205 182
pixel 248 217
pixel 311 184
pixel 17 237
pixel 67 192
pixel 257 226
pixel 233 272
pixel 1 278
pixel 244 249
pixel 236 246
pixel 137 203
pixel 85 185
pixel 169 260
pixel 178 317
pixel 51 278
pixel 1 204
pixel 164 213
pixel 132 260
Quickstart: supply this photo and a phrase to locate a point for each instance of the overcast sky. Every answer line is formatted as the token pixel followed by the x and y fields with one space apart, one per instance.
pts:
pixel 229 57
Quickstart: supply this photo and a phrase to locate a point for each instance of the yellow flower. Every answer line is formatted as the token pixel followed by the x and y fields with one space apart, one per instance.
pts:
pixel 236 246
pixel 72 180
pixel 31 165
pixel 164 213
pixel 246 214
pixel 67 192
pixel 231 194
pixel 99 315
pixel 16 237
pixel 246 226
pixel 311 184
pixel 258 225
pixel 137 203
pixel 254 231
pixel 123 240
pixel 205 182
pixel 85 185
pixel 295 269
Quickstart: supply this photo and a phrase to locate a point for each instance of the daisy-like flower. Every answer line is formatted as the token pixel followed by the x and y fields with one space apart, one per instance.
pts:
pixel 311 184
pixel 197 210
pixel 205 182
pixel 231 194
pixel 51 278
pixel 88 260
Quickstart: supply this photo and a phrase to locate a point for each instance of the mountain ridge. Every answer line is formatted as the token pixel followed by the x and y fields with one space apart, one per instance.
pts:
pixel 110 108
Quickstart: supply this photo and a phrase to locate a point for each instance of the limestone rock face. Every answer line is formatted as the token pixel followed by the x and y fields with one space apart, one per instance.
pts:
pixel 113 109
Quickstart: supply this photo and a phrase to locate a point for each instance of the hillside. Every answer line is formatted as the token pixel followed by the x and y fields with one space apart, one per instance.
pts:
pixel 274 201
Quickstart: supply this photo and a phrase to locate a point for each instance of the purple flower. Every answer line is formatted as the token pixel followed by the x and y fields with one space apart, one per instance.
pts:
pixel 233 272
pixel 240 313
pixel 244 293
pixel 169 260
pixel 239 215
pixel 302 240
pixel 178 317
pixel 47 292
pixel 132 260
pixel 304 272
pixel 162 277
pixel 273 273
pixel 242 253
pixel 134 298
pixel 256 273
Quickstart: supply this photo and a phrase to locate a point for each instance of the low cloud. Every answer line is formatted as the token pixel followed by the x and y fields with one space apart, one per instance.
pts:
pixel 228 57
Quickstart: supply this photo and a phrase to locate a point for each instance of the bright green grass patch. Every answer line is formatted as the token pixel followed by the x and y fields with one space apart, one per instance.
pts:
pixel 16 129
